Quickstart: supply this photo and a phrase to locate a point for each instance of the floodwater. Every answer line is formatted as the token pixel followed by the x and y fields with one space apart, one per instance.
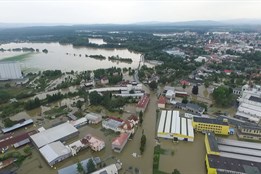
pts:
pixel 67 57
pixel 188 157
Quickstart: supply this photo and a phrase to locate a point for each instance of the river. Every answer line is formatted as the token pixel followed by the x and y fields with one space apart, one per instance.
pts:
pixel 66 57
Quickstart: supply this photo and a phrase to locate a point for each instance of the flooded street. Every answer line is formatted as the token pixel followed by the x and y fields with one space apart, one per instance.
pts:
pixel 194 164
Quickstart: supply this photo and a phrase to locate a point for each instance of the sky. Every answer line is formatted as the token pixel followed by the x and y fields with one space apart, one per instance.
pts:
pixel 125 11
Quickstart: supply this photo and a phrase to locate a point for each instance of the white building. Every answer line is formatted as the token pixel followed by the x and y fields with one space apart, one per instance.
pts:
pixel 111 169
pixel 55 152
pixel 10 70
pixel 174 127
pixel 250 104
pixel 93 118
pixel 61 132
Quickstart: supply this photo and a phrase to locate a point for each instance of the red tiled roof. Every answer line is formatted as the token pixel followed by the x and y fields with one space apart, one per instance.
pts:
pixel 133 117
pixel 227 71
pixel 129 125
pixel 120 139
pixel 162 100
pixel 15 139
pixel 143 101
pixel 182 82
pixel 115 118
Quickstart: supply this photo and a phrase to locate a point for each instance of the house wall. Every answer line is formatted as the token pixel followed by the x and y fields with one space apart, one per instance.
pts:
pixel 59 159
pixel 118 149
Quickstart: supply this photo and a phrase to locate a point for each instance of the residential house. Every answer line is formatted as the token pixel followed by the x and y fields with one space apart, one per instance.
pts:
pixel 162 102
pixel 119 142
pixel 104 80
pixel 94 143
pixel 112 123
pixel 126 127
pixel 133 119
pixel 143 103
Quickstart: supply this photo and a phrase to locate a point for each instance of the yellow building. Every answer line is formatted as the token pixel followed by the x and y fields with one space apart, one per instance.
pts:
pixel 223 154
pixel 201 124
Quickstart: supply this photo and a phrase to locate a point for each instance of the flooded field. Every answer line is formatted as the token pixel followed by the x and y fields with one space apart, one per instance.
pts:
pixel 66 57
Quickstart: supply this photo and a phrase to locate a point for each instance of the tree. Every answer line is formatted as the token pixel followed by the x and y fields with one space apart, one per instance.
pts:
pixel 142 143
pixel 153 85
pixel 176 171
pixel 184 100
pixel 95 98
pixel 223 96
pixel 195 90
pixel 141 117
pixel 184 86
pixel 79 104
pixel 206 84
pixel 90 166
pixel 80 168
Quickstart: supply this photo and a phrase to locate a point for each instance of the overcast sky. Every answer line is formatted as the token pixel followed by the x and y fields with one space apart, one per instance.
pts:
pixel 125 11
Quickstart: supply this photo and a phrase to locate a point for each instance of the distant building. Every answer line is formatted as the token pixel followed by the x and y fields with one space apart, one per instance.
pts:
pixel 61 132
pixel 252 133
pixel 174 127
pixel 119 142
pixel 55 152
pixel 227 71
pixel 10 71
pixel 104 80
pixel 143 103
pixel 201 124
pixel 201 59
pixel 162 102
pixel 93 118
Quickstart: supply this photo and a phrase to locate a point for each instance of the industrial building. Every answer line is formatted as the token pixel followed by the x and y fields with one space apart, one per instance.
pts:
pixel 202 124
pixel 19 125
pixel 250 104
pixel 252 133
pixel 61 132
pixel 108 169
pixel 174 127
pixel 10 71
pixel 93 118
pixel 55 152
pixel 231 156
pixel 72 169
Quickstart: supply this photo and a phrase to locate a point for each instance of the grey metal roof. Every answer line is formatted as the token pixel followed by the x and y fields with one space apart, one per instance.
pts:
pixel 255 99
pixel 210 120
pixel 194 107
pixel 212 142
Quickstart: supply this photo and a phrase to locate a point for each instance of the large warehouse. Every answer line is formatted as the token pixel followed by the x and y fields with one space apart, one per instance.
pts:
pixel 231 156
pixel 10 71
pixel 61 132
pixel 172 126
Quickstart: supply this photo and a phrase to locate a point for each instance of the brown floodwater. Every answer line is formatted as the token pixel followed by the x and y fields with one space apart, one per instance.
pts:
pixel 188 157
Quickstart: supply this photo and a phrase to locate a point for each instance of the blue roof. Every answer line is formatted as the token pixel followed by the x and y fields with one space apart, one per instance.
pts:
pixel 17 126
pixel 73 168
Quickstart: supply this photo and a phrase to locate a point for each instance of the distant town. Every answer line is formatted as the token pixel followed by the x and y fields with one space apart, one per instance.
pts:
pixel 163 100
